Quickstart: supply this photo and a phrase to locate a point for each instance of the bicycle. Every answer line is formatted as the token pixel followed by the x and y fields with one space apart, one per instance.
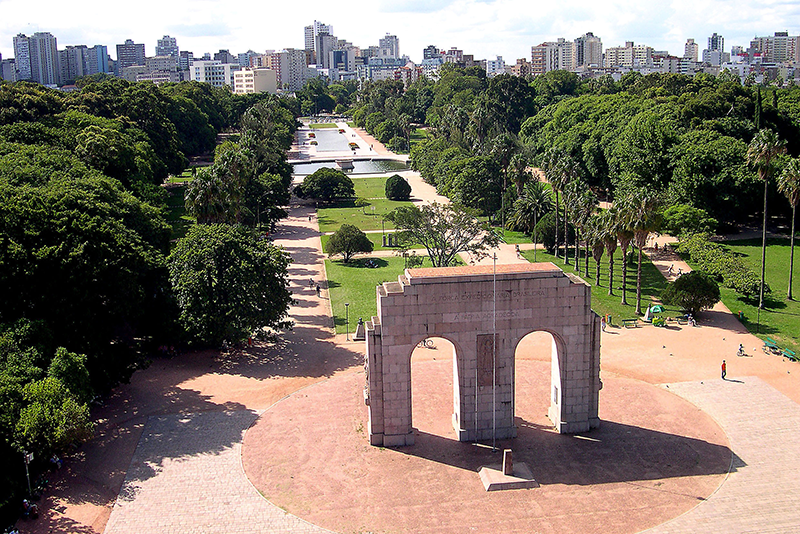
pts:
pixel 426 344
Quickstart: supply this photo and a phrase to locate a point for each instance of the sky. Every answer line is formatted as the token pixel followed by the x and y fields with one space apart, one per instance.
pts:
pixel 484 28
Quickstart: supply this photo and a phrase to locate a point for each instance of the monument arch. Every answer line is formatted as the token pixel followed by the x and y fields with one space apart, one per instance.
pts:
pixel 470 307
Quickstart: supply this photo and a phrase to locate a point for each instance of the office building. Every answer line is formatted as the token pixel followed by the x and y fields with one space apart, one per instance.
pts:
pixel 495 67
pixel 213 72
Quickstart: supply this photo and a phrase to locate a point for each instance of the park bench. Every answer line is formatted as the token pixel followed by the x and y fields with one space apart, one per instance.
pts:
pixel 771 346
pixel 630 323
pixel 789 354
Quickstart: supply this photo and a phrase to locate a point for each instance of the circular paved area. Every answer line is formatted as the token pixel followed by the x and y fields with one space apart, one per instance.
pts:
pixel 310 455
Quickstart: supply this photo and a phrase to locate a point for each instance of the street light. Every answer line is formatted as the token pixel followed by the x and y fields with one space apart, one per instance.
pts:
pixel 347 320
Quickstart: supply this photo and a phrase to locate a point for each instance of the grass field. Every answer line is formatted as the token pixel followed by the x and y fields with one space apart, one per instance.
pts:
pixel 512 237
pixel 176 213
pixel 182 178
pixel 653 283
pixel 780 318
pixel 318 125
pixel 332 217
pixel 354 283
pixel 370 186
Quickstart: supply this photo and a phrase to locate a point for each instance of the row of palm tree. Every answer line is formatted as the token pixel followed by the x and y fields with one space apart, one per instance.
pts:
pixel 633 219
pixel 635 214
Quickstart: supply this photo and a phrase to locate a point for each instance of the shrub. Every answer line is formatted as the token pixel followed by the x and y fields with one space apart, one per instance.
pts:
pixel 694 291
pixel 326 184
pixel 722 264
pixel 545 232
pixel 397 188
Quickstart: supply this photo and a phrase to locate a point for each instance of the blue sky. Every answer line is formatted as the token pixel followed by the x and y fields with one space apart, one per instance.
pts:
pixel 485 28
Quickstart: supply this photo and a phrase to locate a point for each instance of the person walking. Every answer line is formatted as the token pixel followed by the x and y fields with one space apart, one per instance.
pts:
pixel 319 290
pixel 603 323
pixel 724 370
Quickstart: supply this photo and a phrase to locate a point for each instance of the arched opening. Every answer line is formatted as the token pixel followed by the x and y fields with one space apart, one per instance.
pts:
pixel 537 380
pixel 434 386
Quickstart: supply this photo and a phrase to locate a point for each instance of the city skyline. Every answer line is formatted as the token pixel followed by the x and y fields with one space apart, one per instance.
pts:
pixel 485 29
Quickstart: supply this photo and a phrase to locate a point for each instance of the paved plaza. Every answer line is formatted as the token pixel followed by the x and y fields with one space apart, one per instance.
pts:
pixel 176 448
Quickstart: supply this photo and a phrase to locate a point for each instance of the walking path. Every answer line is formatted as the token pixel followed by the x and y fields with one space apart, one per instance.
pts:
pixel 760 494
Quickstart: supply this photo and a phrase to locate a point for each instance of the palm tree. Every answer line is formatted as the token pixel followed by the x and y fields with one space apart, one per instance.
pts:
pixel 624 236
pixel 761 153
pixel 534 202
pixel 641 209
pixel 583 210
pixel 789 185
pixel 552 167
pixel 607 221
pixel 594 235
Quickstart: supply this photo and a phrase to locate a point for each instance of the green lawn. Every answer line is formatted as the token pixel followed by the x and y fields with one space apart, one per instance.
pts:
pixel 182 178
pixel 370 186
pixel 332 217
pixel 653 283
pixel 318 125
pixel 354 283
pixel 176 213
pixel 512 237
pixel 780 318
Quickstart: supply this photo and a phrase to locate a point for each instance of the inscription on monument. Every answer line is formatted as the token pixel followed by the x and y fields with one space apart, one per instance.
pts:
pixel 469 317
pixel 485 359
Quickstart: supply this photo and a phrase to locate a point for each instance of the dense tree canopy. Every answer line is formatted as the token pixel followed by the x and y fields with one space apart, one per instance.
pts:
pixel 229 283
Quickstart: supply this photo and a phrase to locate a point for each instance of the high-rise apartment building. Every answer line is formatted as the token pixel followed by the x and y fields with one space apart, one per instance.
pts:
pixel 389 46
pixel 630 55
pixel 129 54
pixel 224 56
pixel 716 42
pixel 185 59
pixel 779 48
pixel 691 49
pixel 22 57
pixel 553 55
pixel 74 63
pixel 168 46
pixel 430 52
pixel 588 51
pixel 97 60
pixel 310 37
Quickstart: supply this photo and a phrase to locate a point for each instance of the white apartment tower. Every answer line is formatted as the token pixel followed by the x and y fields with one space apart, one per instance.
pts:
pixel 22 57
pixel 691 50
pixel 549 56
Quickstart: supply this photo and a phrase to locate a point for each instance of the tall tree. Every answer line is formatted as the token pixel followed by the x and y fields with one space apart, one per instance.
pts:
pixel 607 225
pixel 789 185
pixel 553 173
pixel 444 230
pixel 641 212
pixel 229 283
pixel 534 202
pixel 761 154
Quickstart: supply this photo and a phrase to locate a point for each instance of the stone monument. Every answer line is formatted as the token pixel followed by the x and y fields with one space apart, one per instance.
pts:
pixel 484 311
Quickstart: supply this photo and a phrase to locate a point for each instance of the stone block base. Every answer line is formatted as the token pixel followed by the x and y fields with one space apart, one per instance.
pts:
pixel 494 480
pixel 396 440
pixel 486 434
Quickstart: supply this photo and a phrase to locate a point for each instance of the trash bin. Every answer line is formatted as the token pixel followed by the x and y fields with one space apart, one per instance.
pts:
pixel 741 315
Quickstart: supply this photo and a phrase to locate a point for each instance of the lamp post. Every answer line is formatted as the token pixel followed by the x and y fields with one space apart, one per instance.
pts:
pixel 494 351
pixel 347 320
pixel 373 210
